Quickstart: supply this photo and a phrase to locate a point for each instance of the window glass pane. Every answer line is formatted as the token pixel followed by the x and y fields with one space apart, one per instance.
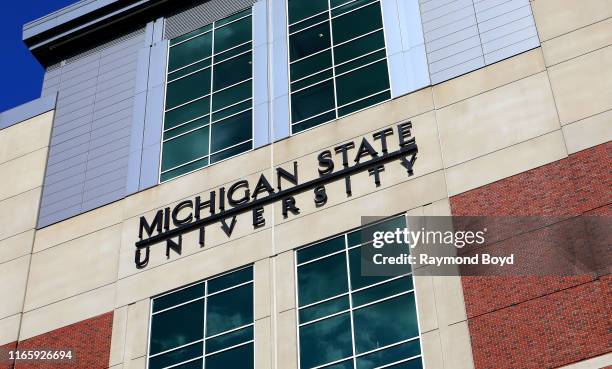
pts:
pixel 358 280
pixel 309 41
pixel 187 112
pixel 231 18
pixel 367 233
pixel 233 52
pixel 384 323
pixel 191 34
pixel 231 95
pixel 229 339
pixel 178 297
pixel 362 82
pixel 232 110
pixel 232 34
pixel 176 356
pixel 311 65
pixel 184 169
pixel 367 59
pixel 231 131
pixel 348 364
pixel 190 51
pixel 335 3
pixel 324 309
pixel 311 101
pixel 325 341
pixel 196 364
pixel 187 88
pixel 232 71
pixel 356 23
pixel 185 148
pixel 412 364
pixel 362 104
pixel 309 22
pixel 231 152
pixel 239 357
pixel 389 355
pixel 312 80
pixel 300 9
pixel 231 279
pixel 324 248
pixel 229 309
pixel 186 127
pixel 176 327
pixel 381 291
pixel 319 119
pixel 358 47
pixel 350 5
pixel 322 279
pixel 190 69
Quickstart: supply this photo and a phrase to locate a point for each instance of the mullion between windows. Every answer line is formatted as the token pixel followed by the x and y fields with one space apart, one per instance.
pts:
pixel 348 278
pixel 205 316
pixel 331 39
pixel 212 79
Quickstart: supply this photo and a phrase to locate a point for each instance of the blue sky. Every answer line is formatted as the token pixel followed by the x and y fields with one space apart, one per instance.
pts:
pixel 20 74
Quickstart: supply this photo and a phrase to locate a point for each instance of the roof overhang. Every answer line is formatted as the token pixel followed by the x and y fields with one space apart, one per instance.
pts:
pixel 65 32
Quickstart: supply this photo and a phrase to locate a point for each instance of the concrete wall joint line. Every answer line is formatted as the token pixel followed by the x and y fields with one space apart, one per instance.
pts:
pixel 440 144
pixel 76 238
pixel 65 298
pixel 577 56
pixel 505 147
pixel 494 88
pixel 557 110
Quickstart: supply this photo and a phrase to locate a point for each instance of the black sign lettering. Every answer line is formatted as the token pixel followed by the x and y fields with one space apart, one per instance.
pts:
pixel 174 246
pixel 188 215
pixel 148 228
pixel 376 173
pixel 365 149
pixel 262 186
pixel 228 229
pixel 320 196
pixel 382 136
pixel 326 164
pixel 289 206
pixel 180 206
pixel 258 219
pixel 210 204
pixel 230 193
pixel 283 174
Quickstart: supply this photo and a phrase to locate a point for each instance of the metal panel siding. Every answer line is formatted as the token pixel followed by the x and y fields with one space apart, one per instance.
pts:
pixel 91 131
pixel 149 169
pixel 451 38
pixel 506 28
pixel 464 35
pixel 202 14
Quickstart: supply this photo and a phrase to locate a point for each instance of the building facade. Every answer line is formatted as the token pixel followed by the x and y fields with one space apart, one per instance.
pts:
pixel 189 190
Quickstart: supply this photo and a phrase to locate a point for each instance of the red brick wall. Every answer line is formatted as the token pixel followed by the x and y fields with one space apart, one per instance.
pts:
pixel 4 363
pixel 89 339
pixel 541 322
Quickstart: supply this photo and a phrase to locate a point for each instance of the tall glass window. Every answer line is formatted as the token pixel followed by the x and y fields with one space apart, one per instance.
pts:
pixel 337 59
pixel 350 321
pixel 208 113
pixel 205 325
